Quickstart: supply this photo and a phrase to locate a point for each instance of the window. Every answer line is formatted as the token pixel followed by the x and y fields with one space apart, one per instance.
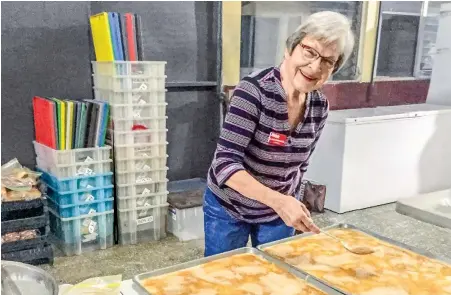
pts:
pixel 407 35
pixel 265 26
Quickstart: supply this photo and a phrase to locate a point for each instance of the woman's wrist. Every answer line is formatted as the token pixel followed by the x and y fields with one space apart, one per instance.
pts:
pixel 273 198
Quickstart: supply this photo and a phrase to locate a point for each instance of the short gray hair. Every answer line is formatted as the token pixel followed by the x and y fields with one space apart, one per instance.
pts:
pixel 329 27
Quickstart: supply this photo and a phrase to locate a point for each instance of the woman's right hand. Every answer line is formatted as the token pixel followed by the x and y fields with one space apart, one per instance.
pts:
pixel 294 214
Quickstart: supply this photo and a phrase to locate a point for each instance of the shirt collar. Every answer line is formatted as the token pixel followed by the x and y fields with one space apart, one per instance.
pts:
pixel 278 81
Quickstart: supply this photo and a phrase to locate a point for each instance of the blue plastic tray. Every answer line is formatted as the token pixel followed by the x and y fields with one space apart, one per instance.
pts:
pixel 80 196
pixel 76 183
pixel 81 208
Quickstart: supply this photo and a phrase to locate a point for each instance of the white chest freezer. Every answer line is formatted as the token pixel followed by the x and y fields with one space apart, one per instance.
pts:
pixel 373 156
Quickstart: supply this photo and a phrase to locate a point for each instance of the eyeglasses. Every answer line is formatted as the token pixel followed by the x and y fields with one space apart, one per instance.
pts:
pixel 311 55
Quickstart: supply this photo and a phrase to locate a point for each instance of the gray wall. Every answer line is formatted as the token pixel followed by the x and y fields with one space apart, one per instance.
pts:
pixel 46 50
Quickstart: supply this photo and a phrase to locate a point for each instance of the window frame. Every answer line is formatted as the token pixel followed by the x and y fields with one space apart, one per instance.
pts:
pixel 417 74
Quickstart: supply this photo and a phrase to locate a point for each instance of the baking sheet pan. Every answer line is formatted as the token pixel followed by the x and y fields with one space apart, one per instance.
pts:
pixel 302 275
pixel 350 226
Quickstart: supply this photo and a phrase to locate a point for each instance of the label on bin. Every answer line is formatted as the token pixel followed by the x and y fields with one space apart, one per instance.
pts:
pixel 84 171
pixel 143 179
pixel 89 198
pixel 144 220
pixel 145 192
pixel 136 114
pixel 88 159
pixel 172 212
pixel 92 227
pixel 143 87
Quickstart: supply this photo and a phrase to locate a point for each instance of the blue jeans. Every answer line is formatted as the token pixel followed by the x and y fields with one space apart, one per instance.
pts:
pixel 224 233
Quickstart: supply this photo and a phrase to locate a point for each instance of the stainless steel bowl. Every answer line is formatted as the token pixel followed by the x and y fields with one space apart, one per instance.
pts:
pixel 23 279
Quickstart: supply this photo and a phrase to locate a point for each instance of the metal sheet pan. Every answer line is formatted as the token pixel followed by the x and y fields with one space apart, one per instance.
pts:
pixel 306 277
pixel 350 226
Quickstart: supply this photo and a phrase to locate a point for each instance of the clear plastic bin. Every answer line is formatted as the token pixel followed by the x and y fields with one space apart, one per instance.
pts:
pixel 74 170
pixel 130 83
pixel 130 97
pixel 141 164
pixel 130 124
pixel 82 234
pixel 129 68
pixel 186 224
pixel 67 157
pixel 142 224
pixel 138 110
pixel 137 136
pixel 140 177
pixel 141 201
pixel 131 151
pixel 82 208
pixel 80 196
pixel 62 185
pixel 144 189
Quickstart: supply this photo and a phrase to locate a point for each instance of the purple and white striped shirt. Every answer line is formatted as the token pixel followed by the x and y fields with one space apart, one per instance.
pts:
pixel 258 108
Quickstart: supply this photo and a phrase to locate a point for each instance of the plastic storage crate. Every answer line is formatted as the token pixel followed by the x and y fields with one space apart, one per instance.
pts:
pixel 134 111
pixel 25 244
pixel 141 164
pixel 82 208
pixel 82 234
pixel 77 183
pixel 153 123
pixel 129 83
pixel 70 157
pixel 73 170
pixel 186 218
pixel 140 177
pixel 130 97
pixel 23 209
pixel 142 224
pixel 144 189
pixel 129 68
pixel 137 136
pixel 131 151
pixel 186 224
pixel 42 254
pixel 80 196
pixel 26 223
pixel 134 202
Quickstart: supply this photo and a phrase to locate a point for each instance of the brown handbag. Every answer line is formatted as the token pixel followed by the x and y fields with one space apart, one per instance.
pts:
pixel 314 196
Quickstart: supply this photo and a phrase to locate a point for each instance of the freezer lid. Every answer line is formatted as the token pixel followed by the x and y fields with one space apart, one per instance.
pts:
pixel 377 114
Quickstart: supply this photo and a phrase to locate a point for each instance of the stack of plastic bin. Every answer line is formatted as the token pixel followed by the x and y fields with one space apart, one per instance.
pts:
pixel 80 196
pixel 136 93
pixel 28 217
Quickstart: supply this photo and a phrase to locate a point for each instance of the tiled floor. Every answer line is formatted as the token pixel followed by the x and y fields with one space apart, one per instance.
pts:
pixel 132 260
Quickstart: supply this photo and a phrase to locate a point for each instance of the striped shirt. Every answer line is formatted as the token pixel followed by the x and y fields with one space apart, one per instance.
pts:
pixel 258 114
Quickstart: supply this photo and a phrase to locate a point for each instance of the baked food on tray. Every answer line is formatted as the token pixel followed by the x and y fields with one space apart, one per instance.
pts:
pixel 391 270
pixel 243 274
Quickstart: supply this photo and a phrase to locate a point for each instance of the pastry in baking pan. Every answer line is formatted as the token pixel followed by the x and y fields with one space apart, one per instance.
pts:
pixel 390 270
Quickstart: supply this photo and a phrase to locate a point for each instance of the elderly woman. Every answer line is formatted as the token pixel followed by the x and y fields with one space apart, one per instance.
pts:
pixel 275 120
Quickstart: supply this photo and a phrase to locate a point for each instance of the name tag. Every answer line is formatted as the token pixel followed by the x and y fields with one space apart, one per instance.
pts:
pixel 277 139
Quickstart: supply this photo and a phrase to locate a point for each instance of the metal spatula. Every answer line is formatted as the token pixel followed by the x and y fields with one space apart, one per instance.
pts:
pixel 360 250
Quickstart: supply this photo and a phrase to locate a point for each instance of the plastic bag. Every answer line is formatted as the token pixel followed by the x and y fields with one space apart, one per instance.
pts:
pixel 109 285
pixel 19 183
